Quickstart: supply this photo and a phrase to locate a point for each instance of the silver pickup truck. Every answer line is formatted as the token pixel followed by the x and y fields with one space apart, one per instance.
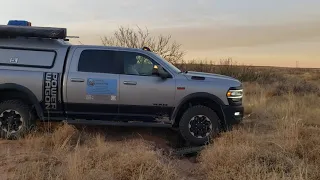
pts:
pixel 43 76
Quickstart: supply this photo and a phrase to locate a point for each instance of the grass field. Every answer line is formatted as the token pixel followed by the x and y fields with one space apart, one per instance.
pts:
pixel 278 139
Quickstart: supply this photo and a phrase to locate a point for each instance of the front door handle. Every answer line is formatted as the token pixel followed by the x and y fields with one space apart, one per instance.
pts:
pixel 129 82
pixel 77 80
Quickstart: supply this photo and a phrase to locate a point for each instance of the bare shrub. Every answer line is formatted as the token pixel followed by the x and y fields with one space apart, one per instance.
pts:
pixel 231 68
pixel 162 45
pixel 296 86
pixel 197 65
pixel 247 73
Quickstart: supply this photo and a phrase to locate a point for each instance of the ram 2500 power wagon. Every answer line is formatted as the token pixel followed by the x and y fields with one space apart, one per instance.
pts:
pixel 43 76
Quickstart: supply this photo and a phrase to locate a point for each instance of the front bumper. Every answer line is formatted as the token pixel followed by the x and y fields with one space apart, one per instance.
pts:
pixel 233 114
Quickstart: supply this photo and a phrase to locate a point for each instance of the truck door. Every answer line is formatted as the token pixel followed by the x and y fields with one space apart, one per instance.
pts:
pixel 144 96
pixel 92 84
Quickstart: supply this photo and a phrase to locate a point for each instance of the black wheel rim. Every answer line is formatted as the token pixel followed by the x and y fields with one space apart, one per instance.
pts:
pixel 200 126
pixel 10 121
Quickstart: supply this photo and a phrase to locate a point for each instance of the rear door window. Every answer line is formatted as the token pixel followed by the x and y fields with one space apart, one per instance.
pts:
pixel 99 61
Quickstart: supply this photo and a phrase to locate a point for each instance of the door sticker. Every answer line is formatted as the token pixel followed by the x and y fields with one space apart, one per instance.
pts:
pixel 89 97
pixel 97 86
pixel 113 98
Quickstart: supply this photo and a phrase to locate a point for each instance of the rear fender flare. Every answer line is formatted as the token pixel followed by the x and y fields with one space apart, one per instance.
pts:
pixel 31 97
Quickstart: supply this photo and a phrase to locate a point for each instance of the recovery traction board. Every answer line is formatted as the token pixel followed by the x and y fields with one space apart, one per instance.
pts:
pixel 7 31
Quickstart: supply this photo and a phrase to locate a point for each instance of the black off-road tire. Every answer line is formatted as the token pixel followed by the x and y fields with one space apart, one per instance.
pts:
pixel 186 118
pixel 26 114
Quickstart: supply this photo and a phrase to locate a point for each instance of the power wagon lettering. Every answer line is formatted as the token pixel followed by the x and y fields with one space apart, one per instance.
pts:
pixel 51 90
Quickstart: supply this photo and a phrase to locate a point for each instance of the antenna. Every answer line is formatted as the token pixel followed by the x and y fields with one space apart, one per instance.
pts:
pixel 72 36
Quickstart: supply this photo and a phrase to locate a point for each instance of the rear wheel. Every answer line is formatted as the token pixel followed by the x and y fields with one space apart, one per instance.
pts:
pixel 16 119
pixel 198 124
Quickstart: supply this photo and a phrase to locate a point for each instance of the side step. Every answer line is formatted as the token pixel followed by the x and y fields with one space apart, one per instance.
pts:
pixel 118 123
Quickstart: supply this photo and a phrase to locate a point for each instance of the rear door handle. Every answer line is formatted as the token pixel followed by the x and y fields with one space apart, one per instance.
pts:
pixel 77 80
pixel 129 82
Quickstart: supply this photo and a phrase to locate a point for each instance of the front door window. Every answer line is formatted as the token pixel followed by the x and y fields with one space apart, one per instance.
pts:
pixel 137 64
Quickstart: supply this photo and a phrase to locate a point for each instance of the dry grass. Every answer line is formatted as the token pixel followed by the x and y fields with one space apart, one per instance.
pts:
pixel 67 154
pixel 279 139
pixel 275 142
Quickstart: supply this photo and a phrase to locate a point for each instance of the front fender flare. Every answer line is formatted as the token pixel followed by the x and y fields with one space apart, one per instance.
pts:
pixel 193 96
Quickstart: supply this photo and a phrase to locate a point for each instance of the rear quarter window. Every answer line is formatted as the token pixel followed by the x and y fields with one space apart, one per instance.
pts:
pixel 27 58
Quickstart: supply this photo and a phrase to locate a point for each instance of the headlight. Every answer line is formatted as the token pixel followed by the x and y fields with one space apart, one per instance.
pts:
pixel 235 94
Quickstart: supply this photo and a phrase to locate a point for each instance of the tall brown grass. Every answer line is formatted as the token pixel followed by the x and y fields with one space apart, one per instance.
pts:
pixel 279 139
pixel 68 154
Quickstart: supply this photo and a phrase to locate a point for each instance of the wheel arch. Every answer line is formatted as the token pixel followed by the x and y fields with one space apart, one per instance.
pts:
pixel 22 92
pixel 203 98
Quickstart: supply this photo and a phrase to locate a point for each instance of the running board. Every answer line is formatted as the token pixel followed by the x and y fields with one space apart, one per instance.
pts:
pixel 118 123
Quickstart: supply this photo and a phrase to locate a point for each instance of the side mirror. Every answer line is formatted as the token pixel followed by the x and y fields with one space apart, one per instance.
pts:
pixel 159 71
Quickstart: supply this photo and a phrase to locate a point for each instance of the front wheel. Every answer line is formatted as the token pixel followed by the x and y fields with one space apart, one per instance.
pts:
pixel 15 119
pixel 198 124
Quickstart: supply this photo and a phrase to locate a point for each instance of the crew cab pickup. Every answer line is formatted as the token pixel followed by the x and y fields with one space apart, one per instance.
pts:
pixel 43 76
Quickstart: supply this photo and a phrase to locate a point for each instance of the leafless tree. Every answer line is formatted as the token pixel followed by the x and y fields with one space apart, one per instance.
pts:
pixel 162 45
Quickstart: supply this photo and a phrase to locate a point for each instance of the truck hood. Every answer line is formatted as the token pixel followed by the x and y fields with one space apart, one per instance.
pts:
pixel 193 75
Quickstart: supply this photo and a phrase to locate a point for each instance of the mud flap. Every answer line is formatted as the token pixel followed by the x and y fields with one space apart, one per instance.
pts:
pixel 188 150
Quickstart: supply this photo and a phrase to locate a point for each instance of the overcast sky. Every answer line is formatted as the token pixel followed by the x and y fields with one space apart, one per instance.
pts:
pixel 250 31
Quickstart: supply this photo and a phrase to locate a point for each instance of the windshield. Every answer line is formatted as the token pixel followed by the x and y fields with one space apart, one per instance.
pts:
pixel 177 70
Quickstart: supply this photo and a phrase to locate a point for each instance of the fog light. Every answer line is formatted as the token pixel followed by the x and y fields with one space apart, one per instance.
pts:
pixel 237 113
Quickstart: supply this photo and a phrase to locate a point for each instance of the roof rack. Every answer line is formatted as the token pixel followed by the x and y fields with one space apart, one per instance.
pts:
pixel 17 28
